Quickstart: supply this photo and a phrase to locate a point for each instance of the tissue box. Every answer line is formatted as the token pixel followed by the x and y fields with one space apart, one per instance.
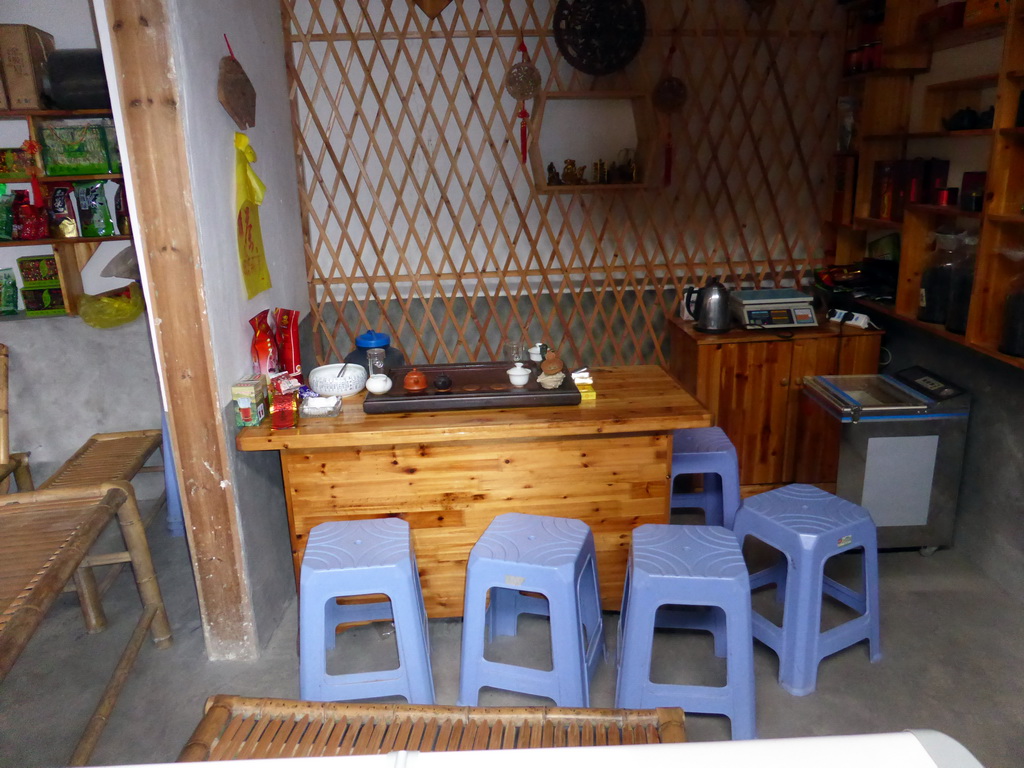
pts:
pixel 253 388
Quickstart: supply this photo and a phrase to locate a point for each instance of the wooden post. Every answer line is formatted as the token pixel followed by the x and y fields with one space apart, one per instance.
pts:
pixel 168 244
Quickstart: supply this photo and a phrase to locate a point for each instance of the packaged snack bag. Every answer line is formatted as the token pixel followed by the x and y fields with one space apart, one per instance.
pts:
pixel 93 211
pixel 63 222
pixel 8 292
pixel 264 348
pixel 287 331
pixel 6 213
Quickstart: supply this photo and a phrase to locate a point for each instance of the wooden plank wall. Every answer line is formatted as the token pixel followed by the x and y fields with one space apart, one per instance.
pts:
pixel 422 221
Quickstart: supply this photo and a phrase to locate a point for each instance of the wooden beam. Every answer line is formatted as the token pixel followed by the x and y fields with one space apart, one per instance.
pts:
pixel 169 245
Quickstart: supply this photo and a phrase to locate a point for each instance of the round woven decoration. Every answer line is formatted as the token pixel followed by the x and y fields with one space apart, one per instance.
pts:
pixel 522 81
pixel 599 37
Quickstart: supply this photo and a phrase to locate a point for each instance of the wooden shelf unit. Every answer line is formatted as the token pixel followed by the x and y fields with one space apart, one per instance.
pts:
pixel 885 131
pixel 71 254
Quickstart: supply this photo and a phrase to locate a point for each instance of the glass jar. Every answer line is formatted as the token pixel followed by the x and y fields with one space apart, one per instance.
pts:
pixel 373 340
pixel 933 303
pixel 1013 319
pixel 961 282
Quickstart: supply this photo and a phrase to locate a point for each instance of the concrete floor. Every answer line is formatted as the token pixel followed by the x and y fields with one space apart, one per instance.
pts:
pixel 951 639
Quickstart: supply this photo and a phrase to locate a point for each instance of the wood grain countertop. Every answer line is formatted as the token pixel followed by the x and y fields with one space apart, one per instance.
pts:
pixel 640 398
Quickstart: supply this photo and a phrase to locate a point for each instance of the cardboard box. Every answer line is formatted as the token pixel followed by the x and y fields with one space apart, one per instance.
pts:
pixel 981 12
pixel 4 103
pixel 254 389
pixel 23 54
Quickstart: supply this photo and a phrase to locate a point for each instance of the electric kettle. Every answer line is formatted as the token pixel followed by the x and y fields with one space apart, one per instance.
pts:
pixel 710 311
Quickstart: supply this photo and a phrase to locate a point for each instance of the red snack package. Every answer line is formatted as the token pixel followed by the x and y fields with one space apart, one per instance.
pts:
pixel 287 325
pixel 264 349
pixel 62 212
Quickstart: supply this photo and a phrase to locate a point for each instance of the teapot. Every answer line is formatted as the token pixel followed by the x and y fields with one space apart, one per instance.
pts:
pixel 710 310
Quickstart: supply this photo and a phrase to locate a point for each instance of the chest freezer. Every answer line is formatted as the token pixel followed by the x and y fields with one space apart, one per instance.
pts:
pixel 892 445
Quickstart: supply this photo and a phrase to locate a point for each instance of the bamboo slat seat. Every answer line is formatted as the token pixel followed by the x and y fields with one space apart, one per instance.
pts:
pixel 107 458
pixel 237 728
pixel 44 537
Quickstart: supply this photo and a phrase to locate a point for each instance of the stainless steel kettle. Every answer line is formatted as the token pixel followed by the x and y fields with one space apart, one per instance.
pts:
pixel 709 307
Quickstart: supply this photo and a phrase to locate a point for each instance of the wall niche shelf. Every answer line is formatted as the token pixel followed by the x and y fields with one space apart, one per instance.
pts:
pixel 554 138
pixel 71 253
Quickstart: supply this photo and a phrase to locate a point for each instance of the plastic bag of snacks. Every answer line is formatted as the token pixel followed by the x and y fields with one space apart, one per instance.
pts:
pixel 111 309
pixel 264 348
pixel 93 211
pixel 8 292
pixel 287 323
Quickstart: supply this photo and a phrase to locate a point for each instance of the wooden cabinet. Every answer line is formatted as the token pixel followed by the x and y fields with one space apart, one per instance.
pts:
pixel 751 382
pixel 905 108
pixel 71 254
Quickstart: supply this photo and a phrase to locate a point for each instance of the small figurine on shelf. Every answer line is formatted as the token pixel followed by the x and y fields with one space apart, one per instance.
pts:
pixel 570 174
pixel 554 179
pixel 552 375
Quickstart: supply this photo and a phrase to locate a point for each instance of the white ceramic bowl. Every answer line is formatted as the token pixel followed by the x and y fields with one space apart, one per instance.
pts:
pixel 518 375
pixel 326 381
pixel 378 384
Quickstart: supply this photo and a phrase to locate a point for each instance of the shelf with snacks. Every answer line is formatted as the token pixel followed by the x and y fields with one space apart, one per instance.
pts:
pixel 73 153
pixel 975 116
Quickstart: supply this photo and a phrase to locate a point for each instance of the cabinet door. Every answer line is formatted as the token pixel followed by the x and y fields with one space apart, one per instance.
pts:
pixel 821 357
pixel 751 381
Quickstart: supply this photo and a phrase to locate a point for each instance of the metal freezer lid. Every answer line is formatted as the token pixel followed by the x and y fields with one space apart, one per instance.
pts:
pixel 868 396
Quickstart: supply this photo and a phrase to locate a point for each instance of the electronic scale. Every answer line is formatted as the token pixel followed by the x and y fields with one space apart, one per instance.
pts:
pixel 773 308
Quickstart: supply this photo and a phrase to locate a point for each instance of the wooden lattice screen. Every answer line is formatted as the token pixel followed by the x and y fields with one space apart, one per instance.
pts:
pixel 423 222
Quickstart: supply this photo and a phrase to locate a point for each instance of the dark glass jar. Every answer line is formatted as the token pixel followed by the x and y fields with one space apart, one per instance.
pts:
pixel 961 282
pixel 373 340
pixel 1013 319
pixel 936 279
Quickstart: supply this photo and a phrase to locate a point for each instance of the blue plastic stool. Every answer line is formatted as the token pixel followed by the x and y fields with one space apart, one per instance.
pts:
pixel 551 556
pixel 809 526
pixel 707 451
pixel 687 566
pixel 362 557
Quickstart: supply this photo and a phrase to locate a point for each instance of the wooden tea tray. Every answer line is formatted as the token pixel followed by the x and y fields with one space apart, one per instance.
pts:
pixel 474 385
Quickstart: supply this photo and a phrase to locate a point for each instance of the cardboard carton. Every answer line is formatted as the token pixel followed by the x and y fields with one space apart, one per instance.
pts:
pixel 23 54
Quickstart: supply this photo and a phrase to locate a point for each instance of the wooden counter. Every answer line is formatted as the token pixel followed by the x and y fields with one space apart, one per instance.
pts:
pixel 448 473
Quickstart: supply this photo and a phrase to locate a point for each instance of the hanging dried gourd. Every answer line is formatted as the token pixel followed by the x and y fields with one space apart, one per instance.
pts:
pixel 668 97
pixel 523 83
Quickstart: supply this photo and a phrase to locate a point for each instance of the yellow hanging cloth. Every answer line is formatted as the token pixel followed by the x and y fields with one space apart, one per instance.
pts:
pixel 249 193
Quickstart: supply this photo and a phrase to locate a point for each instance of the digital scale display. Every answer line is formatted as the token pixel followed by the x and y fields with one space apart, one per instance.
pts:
pixel 781 308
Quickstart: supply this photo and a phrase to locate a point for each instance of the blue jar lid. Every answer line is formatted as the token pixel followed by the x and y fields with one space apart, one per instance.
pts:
pixel 372 339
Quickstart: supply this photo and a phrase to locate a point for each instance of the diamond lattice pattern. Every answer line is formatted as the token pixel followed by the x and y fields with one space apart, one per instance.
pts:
pixel 422 221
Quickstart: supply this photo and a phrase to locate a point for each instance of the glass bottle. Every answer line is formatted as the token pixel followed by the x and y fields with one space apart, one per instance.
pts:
pixel 935 280
pixel 1013 319
pixel 961 282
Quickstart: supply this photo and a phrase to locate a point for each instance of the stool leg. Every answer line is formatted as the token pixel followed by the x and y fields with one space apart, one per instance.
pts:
pixel 871 597
pixel 313 608
pixel 740 671
pixel 568 656
pixel 714 507
pixel 413 646
pixel 635 654
pixel 801 628
pixel 473 615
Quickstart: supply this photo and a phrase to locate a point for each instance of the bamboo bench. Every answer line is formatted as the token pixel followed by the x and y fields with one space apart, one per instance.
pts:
pixel 237 728
pixel 111 457
pixel 44 537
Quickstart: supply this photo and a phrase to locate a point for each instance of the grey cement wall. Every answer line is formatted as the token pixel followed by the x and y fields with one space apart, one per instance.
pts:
pixel 990 523
pixel 69 381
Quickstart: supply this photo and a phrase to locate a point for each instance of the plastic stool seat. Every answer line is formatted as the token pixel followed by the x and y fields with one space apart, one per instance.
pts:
pixel 550 556
pixel 687 566
pixel 707 451
pixel 809 526
pixel 348 559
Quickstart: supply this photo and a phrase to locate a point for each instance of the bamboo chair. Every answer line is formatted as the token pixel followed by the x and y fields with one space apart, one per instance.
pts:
pixel 237 728
pixel 11 464
pixel 44 537
pixel 111 457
